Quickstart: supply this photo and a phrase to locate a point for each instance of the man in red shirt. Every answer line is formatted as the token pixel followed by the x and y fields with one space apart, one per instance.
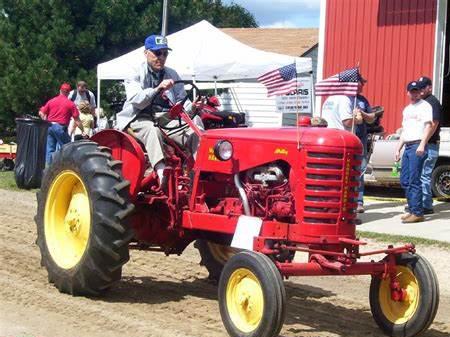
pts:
pixel 58 111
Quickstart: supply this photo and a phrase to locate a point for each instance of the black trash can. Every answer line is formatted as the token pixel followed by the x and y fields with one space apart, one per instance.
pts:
pixel 31 148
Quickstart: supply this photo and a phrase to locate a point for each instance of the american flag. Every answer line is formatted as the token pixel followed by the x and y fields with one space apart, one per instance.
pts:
pixel 280 81
pixel 344 83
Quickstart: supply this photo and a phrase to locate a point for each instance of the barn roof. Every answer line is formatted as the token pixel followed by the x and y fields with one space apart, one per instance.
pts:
pixel 288 41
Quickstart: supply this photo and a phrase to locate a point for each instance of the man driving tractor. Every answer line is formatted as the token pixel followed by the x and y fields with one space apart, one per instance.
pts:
pixel 150 93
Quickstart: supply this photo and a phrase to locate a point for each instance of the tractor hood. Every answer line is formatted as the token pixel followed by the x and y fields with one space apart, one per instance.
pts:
pixel 255 146
pixel 312 136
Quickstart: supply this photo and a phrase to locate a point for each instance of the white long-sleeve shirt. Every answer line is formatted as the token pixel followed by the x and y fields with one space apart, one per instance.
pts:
pixel 140 92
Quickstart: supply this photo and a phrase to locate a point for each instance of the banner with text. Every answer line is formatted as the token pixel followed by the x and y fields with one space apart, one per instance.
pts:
pixel 298 101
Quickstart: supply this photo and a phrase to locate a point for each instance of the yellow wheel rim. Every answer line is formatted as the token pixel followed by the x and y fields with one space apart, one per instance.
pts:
pixel 221 253
pixel 400 312
pixel 245 300
pixel 67 219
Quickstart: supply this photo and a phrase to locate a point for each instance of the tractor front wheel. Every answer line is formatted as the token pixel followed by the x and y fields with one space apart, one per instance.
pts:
pixel 214 256
pixel 81 222
pixel 412 314
pixel 252 297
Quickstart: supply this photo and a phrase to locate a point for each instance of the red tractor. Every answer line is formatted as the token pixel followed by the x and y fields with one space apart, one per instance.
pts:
pixel 251 200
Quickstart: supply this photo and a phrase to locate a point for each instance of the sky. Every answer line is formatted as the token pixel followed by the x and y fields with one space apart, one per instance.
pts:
pixel 282 13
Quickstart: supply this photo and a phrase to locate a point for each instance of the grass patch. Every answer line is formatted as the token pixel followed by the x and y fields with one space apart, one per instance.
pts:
pixel 7 181
pixel 390 238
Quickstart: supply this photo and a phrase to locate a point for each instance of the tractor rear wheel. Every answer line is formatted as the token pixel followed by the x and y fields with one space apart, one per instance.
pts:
pixel 214 256
pixel 252 297
pixel 414 314
pixel 81 221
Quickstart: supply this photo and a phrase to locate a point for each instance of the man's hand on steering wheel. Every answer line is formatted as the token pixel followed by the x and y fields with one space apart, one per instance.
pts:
pixel 165 85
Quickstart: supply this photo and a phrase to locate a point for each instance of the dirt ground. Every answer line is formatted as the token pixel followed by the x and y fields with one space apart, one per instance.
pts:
pixel 170 296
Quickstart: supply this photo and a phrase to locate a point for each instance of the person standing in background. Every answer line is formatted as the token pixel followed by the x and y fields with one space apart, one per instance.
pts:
pixel 87 121
pixel 363 109
pixel 58 111
pixel 426 88
pixel 416 125
pixel 102 122
pixel 340 112
pixel 81 94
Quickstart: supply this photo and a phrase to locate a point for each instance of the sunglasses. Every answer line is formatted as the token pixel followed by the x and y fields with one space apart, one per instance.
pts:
pixel 159 53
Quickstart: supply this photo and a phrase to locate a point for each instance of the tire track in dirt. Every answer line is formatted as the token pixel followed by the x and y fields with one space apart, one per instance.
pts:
pixel 164 296
pixel 134 294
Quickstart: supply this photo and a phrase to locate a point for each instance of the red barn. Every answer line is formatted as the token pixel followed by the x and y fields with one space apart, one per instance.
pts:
pixel 394 42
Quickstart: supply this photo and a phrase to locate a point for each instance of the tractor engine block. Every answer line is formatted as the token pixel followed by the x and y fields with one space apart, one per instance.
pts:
pixel 269 192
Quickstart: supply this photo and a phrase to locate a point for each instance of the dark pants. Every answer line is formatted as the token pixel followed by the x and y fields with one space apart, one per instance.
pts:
pixel 411 172
pixel 428 166
pixel 57 136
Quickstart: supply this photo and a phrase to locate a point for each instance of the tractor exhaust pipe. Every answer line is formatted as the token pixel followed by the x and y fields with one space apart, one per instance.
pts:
pixel 242 193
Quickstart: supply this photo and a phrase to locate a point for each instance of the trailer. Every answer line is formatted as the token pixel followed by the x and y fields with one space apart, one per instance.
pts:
pixel 7 156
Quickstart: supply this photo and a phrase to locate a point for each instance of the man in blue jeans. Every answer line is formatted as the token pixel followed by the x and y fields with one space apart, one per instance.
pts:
pixel 426 89
pixel 416 131
pixel 58 111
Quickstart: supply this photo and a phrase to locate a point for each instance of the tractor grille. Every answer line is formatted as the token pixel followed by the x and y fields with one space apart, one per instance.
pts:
pixel 331 183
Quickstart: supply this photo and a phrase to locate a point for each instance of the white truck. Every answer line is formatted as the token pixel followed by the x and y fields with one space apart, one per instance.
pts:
pixel 382 159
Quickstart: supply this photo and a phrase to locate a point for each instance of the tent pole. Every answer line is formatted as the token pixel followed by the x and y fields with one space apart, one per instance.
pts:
pixel 97 113
pixel 164 17
pixel 312 95
pixel 194 92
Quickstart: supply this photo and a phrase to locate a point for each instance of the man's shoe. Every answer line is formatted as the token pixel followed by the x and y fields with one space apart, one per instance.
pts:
pixel 357 222
pixel 360 208
pixel 428 211
pixel 414 218
pixel 405 216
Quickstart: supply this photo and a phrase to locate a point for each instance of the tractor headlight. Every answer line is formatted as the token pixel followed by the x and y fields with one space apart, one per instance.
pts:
pixel 223 150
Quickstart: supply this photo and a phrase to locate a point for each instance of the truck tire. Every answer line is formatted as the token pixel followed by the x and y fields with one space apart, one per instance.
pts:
pixel 213 257
pixel 414 315
pixel 82 228
pixel 252 297
pixel 440 181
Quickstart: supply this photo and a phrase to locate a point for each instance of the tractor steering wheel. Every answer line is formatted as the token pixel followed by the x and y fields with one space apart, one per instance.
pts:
pixel 178 105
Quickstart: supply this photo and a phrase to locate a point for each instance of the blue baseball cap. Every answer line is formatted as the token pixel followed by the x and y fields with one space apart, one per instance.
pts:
pixel 156 42
pixel 413 86
pixel 423 82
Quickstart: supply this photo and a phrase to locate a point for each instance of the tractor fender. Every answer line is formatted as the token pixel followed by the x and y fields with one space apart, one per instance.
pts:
pixel 128 150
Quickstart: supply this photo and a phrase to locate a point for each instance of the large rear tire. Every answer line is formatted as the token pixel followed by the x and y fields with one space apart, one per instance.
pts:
pixel 214 256
pixel 252 297
pixel 82 227
pixel 415 314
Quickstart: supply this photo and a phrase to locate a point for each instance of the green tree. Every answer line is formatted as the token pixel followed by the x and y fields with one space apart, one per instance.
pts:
pixel 46 42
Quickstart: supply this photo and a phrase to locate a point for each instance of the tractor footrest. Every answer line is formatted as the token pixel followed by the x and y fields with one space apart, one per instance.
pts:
pixel 352 242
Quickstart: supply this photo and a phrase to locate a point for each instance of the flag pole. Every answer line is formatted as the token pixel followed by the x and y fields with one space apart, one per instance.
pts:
pixel 353 114
pixel 297 104
pixel 354 104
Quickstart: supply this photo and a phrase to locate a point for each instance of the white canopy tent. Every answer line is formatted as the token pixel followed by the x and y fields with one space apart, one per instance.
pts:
pixel 204 53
